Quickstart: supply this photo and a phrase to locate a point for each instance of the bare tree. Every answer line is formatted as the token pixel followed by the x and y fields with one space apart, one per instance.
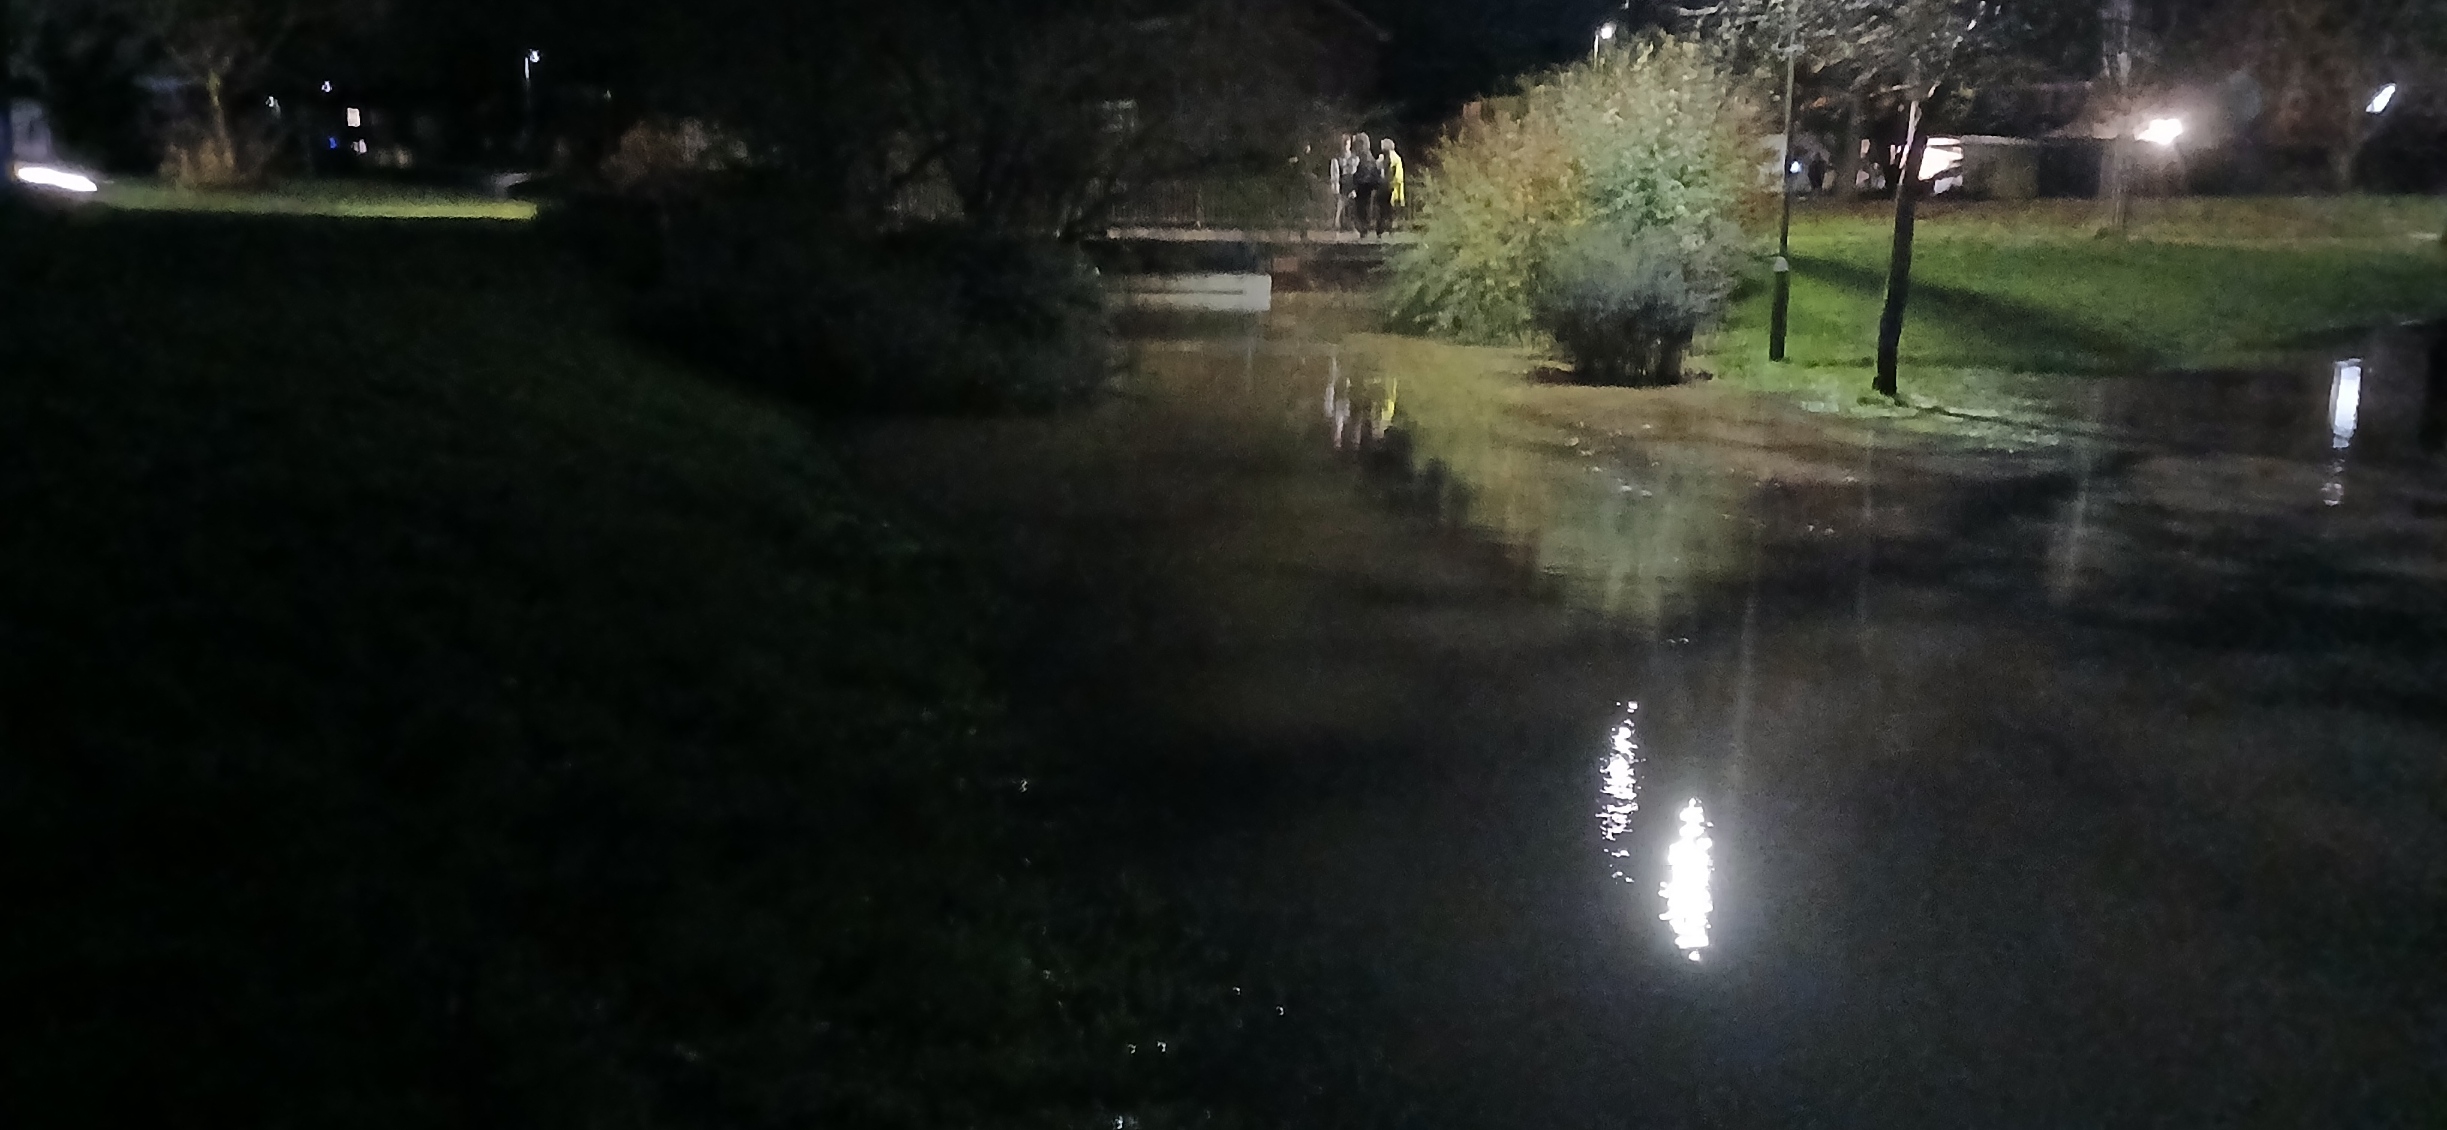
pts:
pixel 1031 116
pixel 1906 51
pixel 221 49
pixel 2321 62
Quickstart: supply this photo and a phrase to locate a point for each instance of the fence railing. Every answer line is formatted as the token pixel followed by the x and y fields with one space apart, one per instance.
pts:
pixel 1271 204
pixel 1242 204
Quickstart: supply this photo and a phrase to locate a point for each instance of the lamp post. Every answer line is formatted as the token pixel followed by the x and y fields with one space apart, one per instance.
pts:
pixel 8 107
pixel 526 82
pixel 1779 312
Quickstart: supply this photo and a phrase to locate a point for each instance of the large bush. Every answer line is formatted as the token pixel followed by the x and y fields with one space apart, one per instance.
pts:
pixel 1648 136
pixel 1624 302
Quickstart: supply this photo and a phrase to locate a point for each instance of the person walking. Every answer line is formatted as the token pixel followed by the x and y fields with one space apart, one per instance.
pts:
pixel 1393 185
pixel 1367 182
pixel 1337 179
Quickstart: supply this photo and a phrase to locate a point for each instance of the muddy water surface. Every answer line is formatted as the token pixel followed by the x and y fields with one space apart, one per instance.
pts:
pixel 1705 762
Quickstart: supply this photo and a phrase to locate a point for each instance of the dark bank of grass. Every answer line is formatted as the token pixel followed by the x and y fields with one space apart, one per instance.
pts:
pixel 2012 290
pixel 420 707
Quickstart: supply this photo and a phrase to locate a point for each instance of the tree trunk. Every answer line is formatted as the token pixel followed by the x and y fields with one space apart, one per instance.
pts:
pixel 8 110
pixel 2116 66
pixel 220 121
pixel 1899 265
pixel 2343 156
pixel 1848 156
pixel 1670 353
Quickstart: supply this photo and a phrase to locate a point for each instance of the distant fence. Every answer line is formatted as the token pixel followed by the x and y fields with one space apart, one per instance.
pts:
pixel 1245 204
pixel 1252 204
pixel 1227 203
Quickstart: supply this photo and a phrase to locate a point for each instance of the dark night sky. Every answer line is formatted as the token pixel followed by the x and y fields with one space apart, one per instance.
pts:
pixel 1443 52
pixel 1447 51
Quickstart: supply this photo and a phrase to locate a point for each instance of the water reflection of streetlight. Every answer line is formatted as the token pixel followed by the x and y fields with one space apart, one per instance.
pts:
pixel 1619 780
pixel 1689 872
pixel 2344 416
pixel 2344 403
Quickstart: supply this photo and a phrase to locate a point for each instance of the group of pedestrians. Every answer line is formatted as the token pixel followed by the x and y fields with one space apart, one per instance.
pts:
pixel 1366 181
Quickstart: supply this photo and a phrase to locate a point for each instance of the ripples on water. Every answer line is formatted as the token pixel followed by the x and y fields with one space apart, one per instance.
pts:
pixel 1689 867
pixel 1689 871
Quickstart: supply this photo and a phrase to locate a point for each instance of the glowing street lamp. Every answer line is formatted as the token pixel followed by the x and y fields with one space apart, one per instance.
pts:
pixel 2379 101
pixel 45 176
pixel 1605 35
pixel 526 80
pixel 2162 131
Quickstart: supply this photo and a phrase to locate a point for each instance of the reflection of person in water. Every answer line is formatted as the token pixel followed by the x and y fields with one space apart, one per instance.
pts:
pixel 1360 411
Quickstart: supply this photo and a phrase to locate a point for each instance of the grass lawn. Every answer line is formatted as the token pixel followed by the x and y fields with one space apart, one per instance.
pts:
pixel 420 707
pixel 2031 290
pixel 333 198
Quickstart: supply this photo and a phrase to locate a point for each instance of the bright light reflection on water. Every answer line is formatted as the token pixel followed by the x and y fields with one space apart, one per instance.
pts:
pixel 1688 868
pixel 1687 873
pixel 2344 402
pixel 1619 780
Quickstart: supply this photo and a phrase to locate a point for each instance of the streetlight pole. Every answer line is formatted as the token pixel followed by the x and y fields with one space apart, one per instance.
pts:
pixel 1778 314
pixel 2116 51
pixel 526 81
pixel 8 103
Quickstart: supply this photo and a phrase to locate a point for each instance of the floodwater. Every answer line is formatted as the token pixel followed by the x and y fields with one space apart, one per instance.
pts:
pixel 1718 764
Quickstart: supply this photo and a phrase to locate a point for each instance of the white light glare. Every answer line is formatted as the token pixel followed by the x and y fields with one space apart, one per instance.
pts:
pixel 2162 131
pixel 355 119
pixel 326 86
pixel 1943 155
pixel 2379 101
pixel 48 177
pixel 1607 32
pixel 1688 871
pixel 2344 403
pixel 535 56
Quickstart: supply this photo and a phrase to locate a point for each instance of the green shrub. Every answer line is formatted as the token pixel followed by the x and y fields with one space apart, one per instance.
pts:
pixel 936 319
pixel 1649 135
pixel 1624 302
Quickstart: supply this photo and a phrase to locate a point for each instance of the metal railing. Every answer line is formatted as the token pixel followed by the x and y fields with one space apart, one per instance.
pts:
pixel 1226 204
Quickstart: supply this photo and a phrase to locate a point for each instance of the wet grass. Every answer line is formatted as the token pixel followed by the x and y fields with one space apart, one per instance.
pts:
pixel 331 198
pixel 2178 219
pixel 2021 291
pixel 420 707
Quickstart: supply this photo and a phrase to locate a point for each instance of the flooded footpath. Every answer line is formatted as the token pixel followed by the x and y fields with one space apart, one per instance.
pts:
pixel 1579 757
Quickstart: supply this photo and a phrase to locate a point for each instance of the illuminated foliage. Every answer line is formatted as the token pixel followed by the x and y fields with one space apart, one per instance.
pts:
pixel 1643 137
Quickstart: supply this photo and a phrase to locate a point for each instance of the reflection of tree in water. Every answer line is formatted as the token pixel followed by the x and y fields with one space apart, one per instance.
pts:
pixel 1638 535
